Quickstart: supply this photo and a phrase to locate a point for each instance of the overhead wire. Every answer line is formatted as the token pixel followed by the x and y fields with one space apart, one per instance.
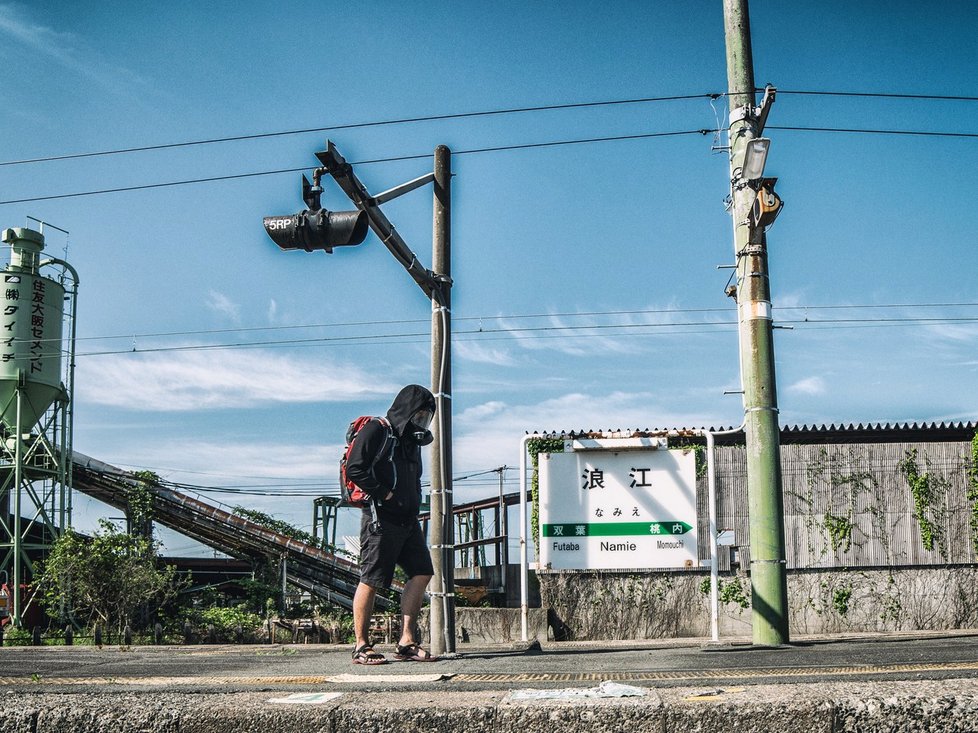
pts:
pixel 255 174
pixel 532 332
pixel 300 488
pixel 356 125
pixel 514 316
pixel 463 115
pixel 492 149
pixel 923 133
pixel 878 95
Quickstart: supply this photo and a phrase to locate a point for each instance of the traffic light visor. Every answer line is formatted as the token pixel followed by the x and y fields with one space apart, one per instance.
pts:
pixel 284 230
pixel 345 227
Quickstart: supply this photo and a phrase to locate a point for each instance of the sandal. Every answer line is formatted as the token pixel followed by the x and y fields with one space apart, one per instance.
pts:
pixel 366 655
pixel 413 653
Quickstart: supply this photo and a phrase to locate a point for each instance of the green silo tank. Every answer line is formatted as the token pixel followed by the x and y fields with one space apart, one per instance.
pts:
pixel 31 318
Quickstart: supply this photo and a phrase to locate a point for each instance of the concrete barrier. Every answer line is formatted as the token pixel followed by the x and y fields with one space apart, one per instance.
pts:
pixel 948 706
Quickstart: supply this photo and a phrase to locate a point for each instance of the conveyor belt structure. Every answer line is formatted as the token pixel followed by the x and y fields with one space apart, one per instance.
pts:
pixel 308 567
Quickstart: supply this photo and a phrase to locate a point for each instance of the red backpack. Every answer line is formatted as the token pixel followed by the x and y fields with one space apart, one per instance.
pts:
pixel 353 494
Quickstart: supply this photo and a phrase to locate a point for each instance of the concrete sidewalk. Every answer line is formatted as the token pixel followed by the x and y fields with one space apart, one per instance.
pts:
pixel 870 683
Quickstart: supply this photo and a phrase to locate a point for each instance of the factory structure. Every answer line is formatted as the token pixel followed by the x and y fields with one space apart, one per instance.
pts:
pixel 38 304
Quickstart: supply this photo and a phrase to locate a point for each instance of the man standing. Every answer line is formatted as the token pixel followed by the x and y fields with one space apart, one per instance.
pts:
pixel 385 461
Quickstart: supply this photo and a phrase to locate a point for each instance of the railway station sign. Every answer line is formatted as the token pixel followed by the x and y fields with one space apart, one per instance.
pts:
pixel 617 504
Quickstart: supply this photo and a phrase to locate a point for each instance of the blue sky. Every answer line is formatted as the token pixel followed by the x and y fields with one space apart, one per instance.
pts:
pixel 622 237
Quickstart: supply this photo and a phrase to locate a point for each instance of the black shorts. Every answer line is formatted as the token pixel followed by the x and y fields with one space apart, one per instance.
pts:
pixel 393 545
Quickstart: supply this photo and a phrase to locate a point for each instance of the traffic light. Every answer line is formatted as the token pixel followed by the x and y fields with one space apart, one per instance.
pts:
pixel 316 227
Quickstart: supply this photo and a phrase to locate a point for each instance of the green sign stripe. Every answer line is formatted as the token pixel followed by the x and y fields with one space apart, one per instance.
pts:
pixel 616 529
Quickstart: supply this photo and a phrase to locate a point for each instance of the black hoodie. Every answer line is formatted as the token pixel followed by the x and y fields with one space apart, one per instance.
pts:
pixel 378 475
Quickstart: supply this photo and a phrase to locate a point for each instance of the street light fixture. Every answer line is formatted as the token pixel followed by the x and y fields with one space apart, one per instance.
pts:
pixel 755 157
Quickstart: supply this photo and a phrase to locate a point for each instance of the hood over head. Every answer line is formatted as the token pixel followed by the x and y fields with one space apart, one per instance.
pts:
pixel 409 401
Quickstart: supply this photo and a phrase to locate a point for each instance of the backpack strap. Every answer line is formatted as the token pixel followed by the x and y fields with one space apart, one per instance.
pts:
pixel 372 503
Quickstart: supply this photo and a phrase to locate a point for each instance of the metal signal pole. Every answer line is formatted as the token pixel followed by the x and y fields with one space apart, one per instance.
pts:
pixel 437 286
pixel 769 596
pixel 442 525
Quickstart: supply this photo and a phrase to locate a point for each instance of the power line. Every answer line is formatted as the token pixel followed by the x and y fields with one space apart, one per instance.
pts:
pixel 464 115
pixel 301 489
pixel 533 332
pixel 236 176
pixel 924 133
pixel 356 125
pixel 519 316
pixel 495 149
pixel 880 95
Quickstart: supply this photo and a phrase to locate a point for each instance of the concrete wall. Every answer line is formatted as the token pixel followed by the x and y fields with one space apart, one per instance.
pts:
pixel 605 605
pixel 491 625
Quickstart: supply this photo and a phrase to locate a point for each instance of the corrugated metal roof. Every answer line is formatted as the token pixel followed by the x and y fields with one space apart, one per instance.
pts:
pixel 843 433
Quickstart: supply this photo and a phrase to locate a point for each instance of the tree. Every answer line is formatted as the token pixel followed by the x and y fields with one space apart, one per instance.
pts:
pixel 104 578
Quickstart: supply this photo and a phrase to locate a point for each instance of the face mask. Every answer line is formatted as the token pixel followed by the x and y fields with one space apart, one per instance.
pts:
pixel 422 419
pixel 422 437
pixel 418 427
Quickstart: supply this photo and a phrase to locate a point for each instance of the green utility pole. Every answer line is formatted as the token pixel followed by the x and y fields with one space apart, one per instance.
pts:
pixel 769 597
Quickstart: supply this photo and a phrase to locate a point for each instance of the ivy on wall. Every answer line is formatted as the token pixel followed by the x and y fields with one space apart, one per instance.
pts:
pixel 840 531
pixel 973 493
pixel 536 446
pixel 925 491
pixel 687 444
pixel 841 481
pixel 735 591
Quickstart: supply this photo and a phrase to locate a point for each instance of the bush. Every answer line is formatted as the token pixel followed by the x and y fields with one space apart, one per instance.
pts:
pixel 232 623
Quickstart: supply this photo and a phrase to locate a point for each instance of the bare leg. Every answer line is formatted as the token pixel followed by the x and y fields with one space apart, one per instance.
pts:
pixel 363 607
pixel 411 598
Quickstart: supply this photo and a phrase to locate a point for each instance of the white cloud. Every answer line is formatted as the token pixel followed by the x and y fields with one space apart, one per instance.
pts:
pixel 953 332
pixel 472 351
pixel 223 305
pixel 808 386
pixel 218 379
pixel 68 50
pixel 214 463
pixel 488 435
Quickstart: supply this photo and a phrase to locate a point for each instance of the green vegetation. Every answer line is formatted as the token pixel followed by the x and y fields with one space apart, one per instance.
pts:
pixel 536 446
pixel 840 531
pixel 105 579
pixel 687 444
pixel 276 525
pixel 231 624
pixel 140 499
pixel 973 493
pixel 730 591
pixel 841 597
pixel 925 492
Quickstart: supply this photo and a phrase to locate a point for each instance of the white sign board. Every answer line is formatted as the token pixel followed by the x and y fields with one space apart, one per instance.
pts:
pixel 607 509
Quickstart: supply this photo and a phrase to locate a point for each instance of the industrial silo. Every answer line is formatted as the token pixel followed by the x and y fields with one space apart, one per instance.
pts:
pixel 30 334
pixel 35 412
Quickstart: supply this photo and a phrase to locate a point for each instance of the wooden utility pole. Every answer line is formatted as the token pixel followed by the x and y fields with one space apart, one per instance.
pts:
pixel 769 594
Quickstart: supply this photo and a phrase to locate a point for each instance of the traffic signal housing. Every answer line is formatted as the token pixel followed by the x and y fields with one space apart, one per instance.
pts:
pixel 316 227
pixel 312 230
